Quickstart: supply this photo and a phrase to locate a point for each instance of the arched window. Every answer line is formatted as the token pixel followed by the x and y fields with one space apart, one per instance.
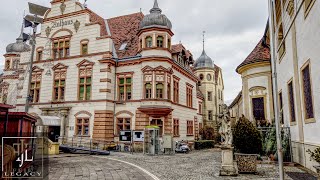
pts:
pixel 159 91
pixel 201 77
pixel 160 41
pixel 148 90
pixel 148 41
pixel 7 66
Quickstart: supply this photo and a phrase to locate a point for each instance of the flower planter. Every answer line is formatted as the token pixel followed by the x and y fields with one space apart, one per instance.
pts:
pixel 247 163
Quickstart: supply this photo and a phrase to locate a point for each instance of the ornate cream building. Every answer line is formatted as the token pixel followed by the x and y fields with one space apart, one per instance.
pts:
pixel 98 76
pixel 297 54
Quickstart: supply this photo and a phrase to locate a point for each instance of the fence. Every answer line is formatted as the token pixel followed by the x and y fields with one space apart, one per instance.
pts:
pixel 269 142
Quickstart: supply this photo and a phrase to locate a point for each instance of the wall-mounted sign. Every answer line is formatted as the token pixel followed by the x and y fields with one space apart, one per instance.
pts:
pixel 138 136
pixel 125 136
pixel 61 23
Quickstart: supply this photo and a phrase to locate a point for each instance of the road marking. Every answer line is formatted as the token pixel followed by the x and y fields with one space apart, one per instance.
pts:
pixel 142 169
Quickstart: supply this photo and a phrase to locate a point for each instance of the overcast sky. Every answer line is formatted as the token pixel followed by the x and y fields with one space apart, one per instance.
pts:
pixel 233 27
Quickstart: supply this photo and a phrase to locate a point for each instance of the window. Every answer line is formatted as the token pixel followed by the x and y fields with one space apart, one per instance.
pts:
pixel 307 92
pixel 125 88
pixel 4 94
pixel 291 102
pixel 169 43
pixel 35 86
pixel 281 107
pixel 59 85
pixel 84 48
pixel 209 77
pixel 176 91
pixel 209 96
pixel 160 41
pixel 123 124
pixel 82 126
pixel 149 42
pixel 61 49
pixel 189 128
pixel 7 66
pixel 258 108
pixel 176 127
pixel 307 6
pixel 201 77
pixel 159 123
pixel 15 64
pixel 159 91
pixel 169 89
pixel 200 108
pixel 278 11
pixel 281 42
pixel 210 115
pixel 85 83
pixel 148 90
pixel 141 44
pixel 200 126
pixel 189 96
pixel 123 46
pixel 219 94
pixel 39 55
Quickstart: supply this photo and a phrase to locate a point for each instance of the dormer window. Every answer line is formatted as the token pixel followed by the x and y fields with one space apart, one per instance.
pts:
pixel 123 46
pixel 160 41
pixel 149 42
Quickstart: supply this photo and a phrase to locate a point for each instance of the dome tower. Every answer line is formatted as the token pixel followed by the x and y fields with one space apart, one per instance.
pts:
pixel 155 33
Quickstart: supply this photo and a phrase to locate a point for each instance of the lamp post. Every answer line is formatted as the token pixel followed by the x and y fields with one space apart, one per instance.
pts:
pixel 275 88
pixel 35 10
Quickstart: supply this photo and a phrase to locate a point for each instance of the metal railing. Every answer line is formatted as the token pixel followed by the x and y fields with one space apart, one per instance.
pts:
pixel 269 142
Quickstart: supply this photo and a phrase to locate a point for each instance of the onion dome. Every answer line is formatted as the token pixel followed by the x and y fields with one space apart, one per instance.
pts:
pixel 155 19
pixel 204 61
pixel 19 46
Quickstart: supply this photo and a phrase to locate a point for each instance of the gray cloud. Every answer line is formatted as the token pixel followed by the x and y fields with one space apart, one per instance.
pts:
pixel 233 27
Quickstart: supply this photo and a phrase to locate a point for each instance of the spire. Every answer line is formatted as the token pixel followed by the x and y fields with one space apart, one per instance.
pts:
pixel 20 38
pixel 156 8
pixel 203 39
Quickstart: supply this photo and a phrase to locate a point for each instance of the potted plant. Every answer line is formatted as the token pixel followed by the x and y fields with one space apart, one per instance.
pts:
pixel 248 145
pixel 315 155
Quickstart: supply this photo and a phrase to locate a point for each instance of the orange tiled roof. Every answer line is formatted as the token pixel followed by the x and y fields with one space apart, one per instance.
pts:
pixel 261 53
pixel 124 29
pixel 177 48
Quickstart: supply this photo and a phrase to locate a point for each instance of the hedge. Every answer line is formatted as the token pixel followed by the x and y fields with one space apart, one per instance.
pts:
pixel 204 144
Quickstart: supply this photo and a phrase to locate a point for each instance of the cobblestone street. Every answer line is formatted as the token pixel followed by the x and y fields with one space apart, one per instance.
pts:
pixel 198 165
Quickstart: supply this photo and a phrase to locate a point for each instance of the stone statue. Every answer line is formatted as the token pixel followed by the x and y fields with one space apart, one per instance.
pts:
pixel 225 126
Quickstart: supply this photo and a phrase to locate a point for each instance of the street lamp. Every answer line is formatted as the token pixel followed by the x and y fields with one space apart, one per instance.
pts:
pixel 35 19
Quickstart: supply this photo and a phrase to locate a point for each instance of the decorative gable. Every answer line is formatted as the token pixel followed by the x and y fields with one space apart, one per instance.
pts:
pixel 85 63
pixel 59 66
pixel 36 69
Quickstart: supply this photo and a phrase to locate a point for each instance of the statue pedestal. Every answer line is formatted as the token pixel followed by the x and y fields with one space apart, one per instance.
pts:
pixel 228 167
